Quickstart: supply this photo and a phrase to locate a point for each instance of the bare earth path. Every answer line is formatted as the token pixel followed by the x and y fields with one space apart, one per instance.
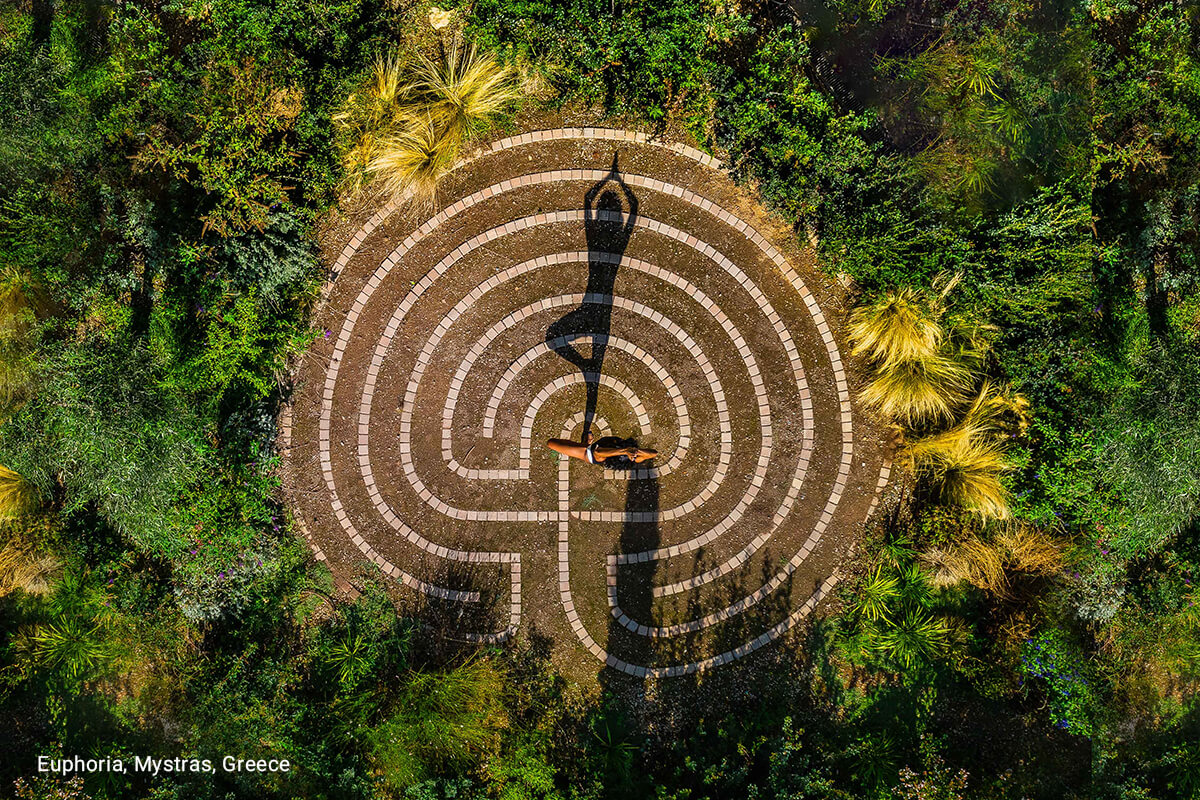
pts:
pixel 548 293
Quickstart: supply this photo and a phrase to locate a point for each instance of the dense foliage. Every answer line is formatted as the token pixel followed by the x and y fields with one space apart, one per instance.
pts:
pixel 162 167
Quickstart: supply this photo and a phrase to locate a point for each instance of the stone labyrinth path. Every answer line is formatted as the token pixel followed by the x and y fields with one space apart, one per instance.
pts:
pixel 578 279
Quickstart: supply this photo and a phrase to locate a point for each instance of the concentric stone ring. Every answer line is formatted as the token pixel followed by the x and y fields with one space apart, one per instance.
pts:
pixel 587 278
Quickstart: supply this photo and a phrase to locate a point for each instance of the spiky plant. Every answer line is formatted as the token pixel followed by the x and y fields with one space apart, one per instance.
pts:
pixel 412 159
pixel 72 646
pixel 876 594
pixel 17 495
pixel 466 91
pixel 351 658
pixel 963 466
pixel 919 392
pixel 914 636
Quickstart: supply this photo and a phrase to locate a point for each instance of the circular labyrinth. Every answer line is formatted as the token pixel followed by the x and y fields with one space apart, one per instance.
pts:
pixel 572 280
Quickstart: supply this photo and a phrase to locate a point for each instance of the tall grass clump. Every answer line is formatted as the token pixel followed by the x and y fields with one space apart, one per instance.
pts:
pixel 992 562
pixel 17 495
pixel 441 720
pixel 25 567
pixel 963 467
pixel 407 126
pixel 926 366
pixel 920 374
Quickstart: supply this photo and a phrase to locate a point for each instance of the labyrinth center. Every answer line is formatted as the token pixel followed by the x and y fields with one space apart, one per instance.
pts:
pixel 586 280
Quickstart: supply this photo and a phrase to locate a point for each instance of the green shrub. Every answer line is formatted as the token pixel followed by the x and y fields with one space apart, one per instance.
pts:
pixel 271 262
pixel 1060 667
pixel 1149 450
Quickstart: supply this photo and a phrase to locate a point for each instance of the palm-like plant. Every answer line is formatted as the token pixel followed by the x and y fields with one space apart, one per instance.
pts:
pixel 876 595
pixel 914 636
pixel 351 658
pixel 72 646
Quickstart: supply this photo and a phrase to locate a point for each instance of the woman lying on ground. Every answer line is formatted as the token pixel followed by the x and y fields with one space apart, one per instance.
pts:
pixel 606 452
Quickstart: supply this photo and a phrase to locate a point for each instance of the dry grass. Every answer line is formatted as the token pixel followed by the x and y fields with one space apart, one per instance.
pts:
pixel 18 320
pixel 407 127
pixel 989 564
pixel 919 392
pixel 964 466
pixel 17 495
pixel 975 561
pixel 24 567
pixel 1030 550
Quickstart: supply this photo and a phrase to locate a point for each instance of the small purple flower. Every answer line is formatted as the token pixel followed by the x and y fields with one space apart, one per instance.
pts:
pixel 328 333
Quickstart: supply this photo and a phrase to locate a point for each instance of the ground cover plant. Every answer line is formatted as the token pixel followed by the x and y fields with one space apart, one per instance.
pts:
pixel 1011 193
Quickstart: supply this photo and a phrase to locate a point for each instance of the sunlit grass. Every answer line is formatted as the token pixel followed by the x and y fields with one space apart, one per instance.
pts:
pixel 919 392
pixel 406 128
pixel 964 466
pixel 17 495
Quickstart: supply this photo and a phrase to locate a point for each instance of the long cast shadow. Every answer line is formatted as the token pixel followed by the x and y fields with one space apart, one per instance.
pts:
pixel 621 735
pixel 608 226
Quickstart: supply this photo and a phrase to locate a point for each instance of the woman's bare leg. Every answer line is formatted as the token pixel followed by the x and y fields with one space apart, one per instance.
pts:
pixel 568 448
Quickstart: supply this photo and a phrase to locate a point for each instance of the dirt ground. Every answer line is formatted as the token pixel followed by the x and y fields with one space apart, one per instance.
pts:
pixel 757 450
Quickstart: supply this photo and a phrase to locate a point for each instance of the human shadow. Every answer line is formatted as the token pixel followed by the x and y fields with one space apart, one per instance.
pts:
pixel 640 531
pixel 608 225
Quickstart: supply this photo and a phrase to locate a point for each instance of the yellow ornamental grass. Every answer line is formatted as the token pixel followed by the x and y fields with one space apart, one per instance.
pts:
pixel 975 561
pixel 466 92
pixel 17 495
pixel 918 392
pixel 406 129
pixel 368 115
pixel 988 564
pixel 896 328
pixel 964 466
pixel 413 158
